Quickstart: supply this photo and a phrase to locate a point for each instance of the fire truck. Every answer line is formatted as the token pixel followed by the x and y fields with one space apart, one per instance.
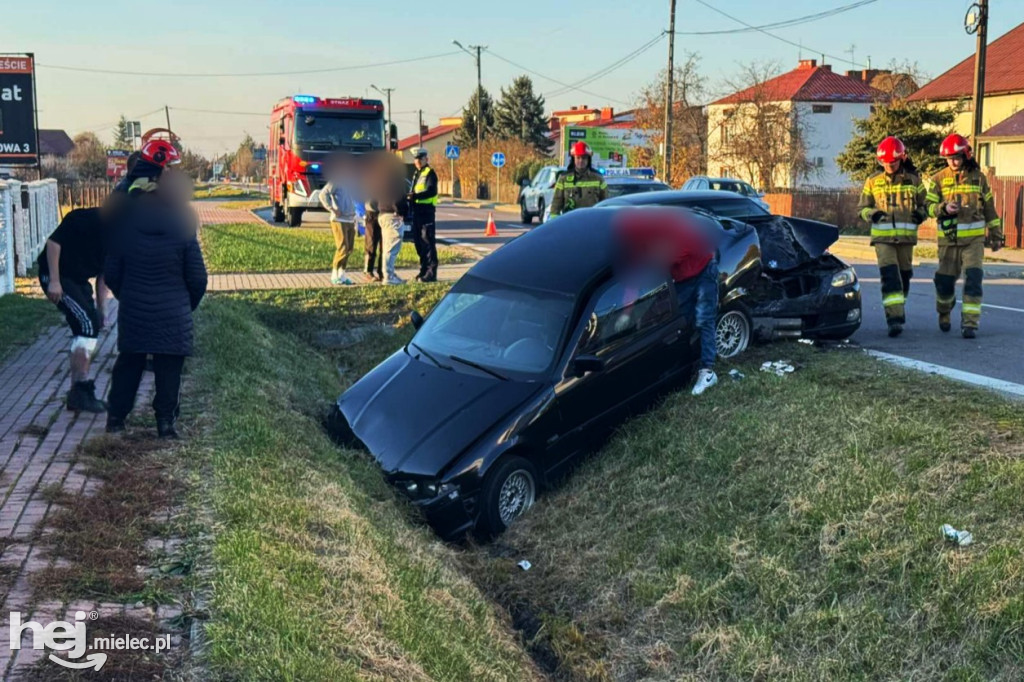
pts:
pixel 304 131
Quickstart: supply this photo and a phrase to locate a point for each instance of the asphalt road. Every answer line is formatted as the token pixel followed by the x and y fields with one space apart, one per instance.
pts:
pixel 1001 333
pixel 992 354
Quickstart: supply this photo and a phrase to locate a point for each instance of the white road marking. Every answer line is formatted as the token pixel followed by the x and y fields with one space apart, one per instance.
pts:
pixel 1001 307
pixel 955 374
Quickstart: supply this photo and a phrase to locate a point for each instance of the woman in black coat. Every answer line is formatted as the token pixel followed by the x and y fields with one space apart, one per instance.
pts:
pixel 155 269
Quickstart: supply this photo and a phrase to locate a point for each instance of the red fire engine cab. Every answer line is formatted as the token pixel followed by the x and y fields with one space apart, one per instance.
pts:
pixel 304 131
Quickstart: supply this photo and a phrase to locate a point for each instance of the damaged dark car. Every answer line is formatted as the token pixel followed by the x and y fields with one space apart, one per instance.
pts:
pixel 541 350
pixel 779 280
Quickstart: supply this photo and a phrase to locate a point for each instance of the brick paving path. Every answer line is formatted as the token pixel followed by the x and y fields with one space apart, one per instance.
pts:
pixel 212 214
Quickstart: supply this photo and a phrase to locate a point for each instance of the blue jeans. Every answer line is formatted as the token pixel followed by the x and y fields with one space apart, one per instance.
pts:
pixel 698 296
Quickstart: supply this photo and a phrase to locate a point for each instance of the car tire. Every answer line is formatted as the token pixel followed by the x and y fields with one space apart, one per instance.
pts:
pixel 294 217
pixel 524 216
pixel 509 489
pixel 540 211
pixel 278 216
pixel 733 331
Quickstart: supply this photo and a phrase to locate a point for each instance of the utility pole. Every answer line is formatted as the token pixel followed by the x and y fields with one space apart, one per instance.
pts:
pixel 387 93
pixel 167 113
pixel 976 21
pixel 666 158
pixel 420 129
pixel 479 112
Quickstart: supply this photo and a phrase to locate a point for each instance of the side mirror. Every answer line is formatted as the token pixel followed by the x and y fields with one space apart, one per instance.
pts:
pixel 586 363
pixel 393 137
pixel 416 319
pixel 281 141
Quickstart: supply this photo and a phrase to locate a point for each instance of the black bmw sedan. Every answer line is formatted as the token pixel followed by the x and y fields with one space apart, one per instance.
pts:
pixel 531 359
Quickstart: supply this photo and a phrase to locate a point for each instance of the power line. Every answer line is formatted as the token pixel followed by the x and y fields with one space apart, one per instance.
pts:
pixel 806 19
pixel 772 35
pixel 554 80
pixel 246 75
pixel 610 68
pixel 228 113
pixel 133 118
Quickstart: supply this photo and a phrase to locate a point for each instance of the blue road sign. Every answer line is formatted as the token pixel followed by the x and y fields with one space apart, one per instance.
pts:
pixel 497 159
pixel 451 152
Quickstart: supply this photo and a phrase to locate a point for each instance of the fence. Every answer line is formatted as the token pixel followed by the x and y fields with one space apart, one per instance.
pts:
pixel 1009 201
pixel 28 215
pixel 836 207
pixel 83 193
pixel 7 201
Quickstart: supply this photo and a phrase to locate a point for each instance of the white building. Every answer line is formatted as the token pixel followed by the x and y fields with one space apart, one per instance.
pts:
pixel 813 99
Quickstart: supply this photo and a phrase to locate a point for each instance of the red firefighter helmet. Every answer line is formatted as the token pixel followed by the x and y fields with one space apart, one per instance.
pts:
pixel 955 144
pixel 891 150
pixel 581 149
pixel 160 152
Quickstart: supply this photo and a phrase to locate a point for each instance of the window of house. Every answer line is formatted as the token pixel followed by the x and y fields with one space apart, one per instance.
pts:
pixel 821 108
pixel 819 161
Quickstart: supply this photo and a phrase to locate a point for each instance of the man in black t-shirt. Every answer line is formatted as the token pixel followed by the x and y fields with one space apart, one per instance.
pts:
pixel 74 254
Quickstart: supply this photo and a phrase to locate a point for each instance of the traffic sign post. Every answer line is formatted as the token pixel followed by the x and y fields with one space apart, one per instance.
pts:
pixel 497 160
pixel 451 152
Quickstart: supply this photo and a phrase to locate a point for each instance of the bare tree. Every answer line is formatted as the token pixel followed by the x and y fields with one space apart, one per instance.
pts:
pixel 760 131
pixel 89 156
pixel 689 120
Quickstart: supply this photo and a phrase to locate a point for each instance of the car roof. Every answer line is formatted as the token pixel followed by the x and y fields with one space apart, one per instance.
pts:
pixel 564 255
pixel 707 177
pixel 626 180
pixel 674 196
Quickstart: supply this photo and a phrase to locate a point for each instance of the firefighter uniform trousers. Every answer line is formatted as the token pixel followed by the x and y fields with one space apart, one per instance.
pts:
pixel 895 269
pixel 954 259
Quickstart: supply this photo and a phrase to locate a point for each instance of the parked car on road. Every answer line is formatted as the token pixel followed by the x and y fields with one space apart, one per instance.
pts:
pixel 740 187
pixel 535 195
pixel 782 282
pixel 623 181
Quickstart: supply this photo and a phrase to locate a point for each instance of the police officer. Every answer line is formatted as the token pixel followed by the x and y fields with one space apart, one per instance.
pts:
pixel 893 202
pixel 424 200
pixel 960 199
pixel 580 186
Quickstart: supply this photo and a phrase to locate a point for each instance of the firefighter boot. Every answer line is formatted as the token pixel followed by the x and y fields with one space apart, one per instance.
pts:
pixel 968 332
pixel 165 429
pixel 895 329
pixel 944 322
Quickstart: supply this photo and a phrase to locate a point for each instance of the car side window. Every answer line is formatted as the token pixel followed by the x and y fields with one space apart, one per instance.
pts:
pixel 540 177
pixel 625 310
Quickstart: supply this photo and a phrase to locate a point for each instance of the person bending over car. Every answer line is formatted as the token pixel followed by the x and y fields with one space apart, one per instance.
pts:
pixel 667 238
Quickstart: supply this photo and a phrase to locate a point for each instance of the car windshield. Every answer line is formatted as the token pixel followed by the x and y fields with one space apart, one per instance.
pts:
pixel 622 189
pixel 503 328
pixel 733 186
pixel 726 207
pixel 313 129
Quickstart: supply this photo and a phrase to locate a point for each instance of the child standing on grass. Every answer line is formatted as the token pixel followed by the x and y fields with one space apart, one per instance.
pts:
pixel 336 197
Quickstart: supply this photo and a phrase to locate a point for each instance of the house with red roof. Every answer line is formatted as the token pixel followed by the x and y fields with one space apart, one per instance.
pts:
pixel 1001 144
pixel 807 116
pixel 434 140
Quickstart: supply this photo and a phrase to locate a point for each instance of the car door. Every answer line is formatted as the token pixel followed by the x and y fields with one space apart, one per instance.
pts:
pixel 533 190
pixel 637 330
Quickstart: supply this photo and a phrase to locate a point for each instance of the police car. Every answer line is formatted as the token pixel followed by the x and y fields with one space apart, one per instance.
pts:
pixel 623 181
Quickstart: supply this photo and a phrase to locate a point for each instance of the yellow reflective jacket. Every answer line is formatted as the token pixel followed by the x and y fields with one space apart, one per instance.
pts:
pixel 902 198
pixel 971 190
pixel 578 189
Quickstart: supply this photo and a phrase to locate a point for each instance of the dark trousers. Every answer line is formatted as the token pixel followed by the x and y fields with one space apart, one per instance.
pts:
pixel 372 243
pixel 423 235
pixel 124 385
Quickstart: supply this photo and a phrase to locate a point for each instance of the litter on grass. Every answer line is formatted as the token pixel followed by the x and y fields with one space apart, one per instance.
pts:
pixel 778 368
pixel 737 375
pixel 525 565
pixel 961 538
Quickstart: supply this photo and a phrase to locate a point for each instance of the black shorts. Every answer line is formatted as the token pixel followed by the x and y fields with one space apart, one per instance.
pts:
pixel 78 306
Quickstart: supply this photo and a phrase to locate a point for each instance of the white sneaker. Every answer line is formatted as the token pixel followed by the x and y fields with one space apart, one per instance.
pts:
pixel 706 378
pixel 395 280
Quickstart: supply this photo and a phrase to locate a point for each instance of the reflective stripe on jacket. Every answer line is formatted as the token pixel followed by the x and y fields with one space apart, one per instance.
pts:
pixel 424 187
pixel 970 189
pixel 900 196
pixel 578 189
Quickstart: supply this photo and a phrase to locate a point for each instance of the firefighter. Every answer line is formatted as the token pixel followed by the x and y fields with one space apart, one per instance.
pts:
pixel 580 186
pixel 424 202
pixel 893 202
pixel 960 199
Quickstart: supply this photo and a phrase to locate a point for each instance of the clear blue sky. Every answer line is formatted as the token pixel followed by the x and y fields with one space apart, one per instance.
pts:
pixel 565 39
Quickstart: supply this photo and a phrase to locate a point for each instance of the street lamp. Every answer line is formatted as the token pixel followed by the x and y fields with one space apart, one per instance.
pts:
pixel 387 93
pixel 479 111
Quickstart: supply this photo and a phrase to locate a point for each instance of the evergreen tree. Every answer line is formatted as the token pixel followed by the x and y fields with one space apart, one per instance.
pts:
pixel 466 135
pixel 123 138
pixel 520 115
pixel 919 127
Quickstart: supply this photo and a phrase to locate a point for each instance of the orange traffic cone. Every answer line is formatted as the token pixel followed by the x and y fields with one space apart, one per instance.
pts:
pixel 491 230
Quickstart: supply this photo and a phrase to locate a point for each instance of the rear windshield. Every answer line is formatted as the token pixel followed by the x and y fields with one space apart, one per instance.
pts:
pixel 622 189
pixel 726 207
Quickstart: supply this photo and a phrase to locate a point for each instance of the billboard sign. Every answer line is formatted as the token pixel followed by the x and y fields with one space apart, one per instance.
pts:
pixel 18 139
pixel 117 163
pixel 611 146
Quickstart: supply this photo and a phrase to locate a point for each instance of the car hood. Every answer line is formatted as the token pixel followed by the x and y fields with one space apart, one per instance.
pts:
pixel 787 243
pixel 416 418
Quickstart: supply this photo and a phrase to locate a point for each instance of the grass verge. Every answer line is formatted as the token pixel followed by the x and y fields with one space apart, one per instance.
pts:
pixel 785 529
pixel 22 319
pixel 317 573
pixel 251 247
pixel 227 192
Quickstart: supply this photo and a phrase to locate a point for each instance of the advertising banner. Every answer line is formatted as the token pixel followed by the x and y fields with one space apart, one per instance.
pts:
pixel 18 137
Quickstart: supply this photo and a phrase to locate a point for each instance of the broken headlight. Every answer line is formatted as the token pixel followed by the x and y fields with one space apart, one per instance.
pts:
pixel 844 278
pixel 427 490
